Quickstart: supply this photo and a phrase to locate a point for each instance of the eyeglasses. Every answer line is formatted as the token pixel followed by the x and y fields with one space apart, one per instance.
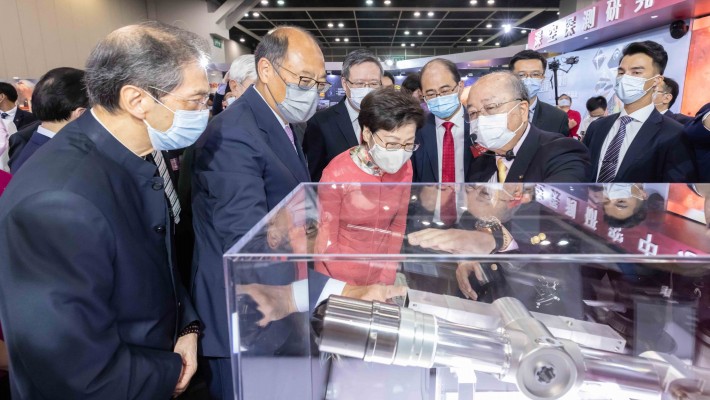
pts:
pixel 410 147
pixel 360 85
pixel 307 83
pixel 445 92
pixel 489 109
pixel 202 102
pixel 535 75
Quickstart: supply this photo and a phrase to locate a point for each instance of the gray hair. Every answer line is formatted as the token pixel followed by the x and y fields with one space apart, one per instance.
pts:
pixel 147 55
pixel 357 57
pixel 516 84
pixel 273 45
pixel 243 68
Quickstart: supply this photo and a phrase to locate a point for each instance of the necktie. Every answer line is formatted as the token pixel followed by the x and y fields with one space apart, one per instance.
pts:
pixel 168 185
pixel 289 132
pixel 611 157
pixel 4 115
pixel 448 159
pixel 502 170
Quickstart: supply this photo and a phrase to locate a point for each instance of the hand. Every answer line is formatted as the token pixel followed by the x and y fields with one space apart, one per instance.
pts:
pixel 374 292
pixel 571 123
pixel 186 346
pixel 463 271
pixel 455 241
pixel 275 302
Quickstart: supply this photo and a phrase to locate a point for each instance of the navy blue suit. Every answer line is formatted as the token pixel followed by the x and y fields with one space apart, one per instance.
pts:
pixel 329 133
pixel 244 168
pixel 90 302
pixel 658 153
pixel 699 136
pixel 36 141
pixel 425 161
pixel 23 118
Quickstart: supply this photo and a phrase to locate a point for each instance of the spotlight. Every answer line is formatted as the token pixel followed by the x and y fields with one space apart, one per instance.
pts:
pixel 264 2
pixel 491 1
pixel 387 2
pixel 346 40
pixel 489 25
pixel 256 14
pixel 473 2
pixel 417 13
pixel 281 2
pixel 340 24
pixel 507 28
pixel 389 62
pixel 420 33
pixel 403 44
pixel 468 40
pixel 337 39
pixel 497 43
pixel 330 24
pixel 242 40
pixel 369 2
pixel 430 13
pixel 246 14
pixel 411 45
pixel 524 31
pixel 480 40
pixel 406 32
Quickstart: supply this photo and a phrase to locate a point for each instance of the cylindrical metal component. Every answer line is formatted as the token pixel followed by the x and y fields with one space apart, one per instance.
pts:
pixel 514 315
pixel 463 346
pixel 635 376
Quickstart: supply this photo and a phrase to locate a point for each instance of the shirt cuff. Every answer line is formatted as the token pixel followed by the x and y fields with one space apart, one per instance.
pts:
pixel 299 289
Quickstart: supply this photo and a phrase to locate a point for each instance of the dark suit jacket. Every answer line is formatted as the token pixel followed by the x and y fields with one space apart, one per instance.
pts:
pixel 659 152
pixel 543 157
pixel 682 118
pixel 699 136
pixel 244 168
pixel 23 118
pixel 89 300
pixel 550 118
pixel 425 161
pixel 19 139
pixel 329 133
pixel 36 141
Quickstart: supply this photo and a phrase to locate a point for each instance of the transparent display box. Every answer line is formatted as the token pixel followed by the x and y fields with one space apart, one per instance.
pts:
pixel 477 291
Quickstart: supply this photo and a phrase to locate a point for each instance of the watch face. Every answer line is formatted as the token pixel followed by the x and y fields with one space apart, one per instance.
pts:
pixel 487 222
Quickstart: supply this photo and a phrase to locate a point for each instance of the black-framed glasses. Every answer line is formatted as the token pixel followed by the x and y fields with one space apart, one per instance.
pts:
pixel 202 102
pixel 447 91
pixel 360 85
pixel 307 83
pixel 489 109
pixel 535 75
pixel 410 147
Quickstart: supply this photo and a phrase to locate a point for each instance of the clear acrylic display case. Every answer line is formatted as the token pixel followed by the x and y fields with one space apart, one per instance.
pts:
pixel 511 291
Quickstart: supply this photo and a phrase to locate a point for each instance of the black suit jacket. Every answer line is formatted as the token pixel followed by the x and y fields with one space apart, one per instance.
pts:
pixel 550 118
pixel 19 139
pixel 699 136
pixel 244 168
pixel 36 141
pixel 682 118
pixel 23 118
pixel 658 153
pixel 425 161
pixel 329 133
pixel 89 299
pixel 543 157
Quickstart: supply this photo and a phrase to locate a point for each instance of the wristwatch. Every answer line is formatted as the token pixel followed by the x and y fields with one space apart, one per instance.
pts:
pixel 500 234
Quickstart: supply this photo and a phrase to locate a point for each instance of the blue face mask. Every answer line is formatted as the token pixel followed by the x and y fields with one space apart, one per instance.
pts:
pixel 186 129
pixel 533 86
pixel 444 106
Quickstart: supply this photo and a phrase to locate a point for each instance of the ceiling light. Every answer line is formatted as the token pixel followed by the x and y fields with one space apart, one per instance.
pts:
pixel 558 13
pixel 491 1
pixel 369 2
pixel 506 28
pixel 256 14
pixel 264 2
pixel 420 33
pixel 406 32
pixel 387 2
pixel 417 13
pixel 489 26
pixel 430 13
pixel 330 24
pixel 524 31
pixel 403 44
pixel 473 2
pixel 389 62
pixel 242 40
pixel 337 39
pixel 480 40
pixel 497 43
pixel 346 40
pixel 468 40
pixel 246 14
pixel 340 24
pixel 281 2
pixel 411 45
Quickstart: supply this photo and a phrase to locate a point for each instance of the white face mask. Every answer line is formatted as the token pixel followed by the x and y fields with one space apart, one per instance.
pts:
pixel 564 103
pixel 615 191
pixel 388 161
pixel 357 94
pixel 492 130
pixel 629 89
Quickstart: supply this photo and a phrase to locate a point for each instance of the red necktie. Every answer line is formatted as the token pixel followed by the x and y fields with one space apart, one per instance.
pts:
pixel 448 175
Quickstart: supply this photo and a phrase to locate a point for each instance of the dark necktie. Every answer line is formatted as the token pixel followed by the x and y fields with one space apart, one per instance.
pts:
pixel 611 157
pixel 4 115
pixel 168 185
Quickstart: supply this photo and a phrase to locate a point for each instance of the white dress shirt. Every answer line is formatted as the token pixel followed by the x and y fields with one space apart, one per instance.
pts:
pixel 458 132
pixel 632 129
pixel 10 114
pixel 531 110
pixel 509 163
pixel 353 119
pixel 45 132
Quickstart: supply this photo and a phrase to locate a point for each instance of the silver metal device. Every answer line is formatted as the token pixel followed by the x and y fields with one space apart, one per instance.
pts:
pixel 520 349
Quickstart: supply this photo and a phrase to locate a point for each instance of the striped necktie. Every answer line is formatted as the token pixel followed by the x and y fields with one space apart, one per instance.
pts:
pixel 168 185
pixel 611 157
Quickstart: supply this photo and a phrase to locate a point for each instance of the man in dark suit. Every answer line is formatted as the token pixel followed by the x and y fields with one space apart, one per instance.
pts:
pixel 640 144
pixel 59 98
pixel 9 110
pixel 530 67
pixel 250 161
pixel 517 150
pixel 90 303
pixel 665 96
pixel 335 129
pixel 698 133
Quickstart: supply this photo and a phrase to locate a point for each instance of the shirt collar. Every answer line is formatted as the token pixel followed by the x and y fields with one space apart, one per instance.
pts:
pixel 457 119
pixel 351 110
pixel 641 114
pixel 533 105
pixel 46 132
pixel 664 111
pixel 11 112
pixel 278 118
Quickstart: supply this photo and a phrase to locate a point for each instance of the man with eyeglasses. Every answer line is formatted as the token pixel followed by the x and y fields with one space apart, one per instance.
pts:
pixel 336 129
pixel 517 150
pixel 664 96
pixel 530 66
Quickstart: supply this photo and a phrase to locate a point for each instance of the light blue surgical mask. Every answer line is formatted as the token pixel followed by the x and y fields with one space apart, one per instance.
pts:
pixel 186 129
pixel 533 86
pixel 444 106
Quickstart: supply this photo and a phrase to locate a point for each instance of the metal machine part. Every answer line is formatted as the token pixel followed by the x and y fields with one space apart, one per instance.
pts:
pixel 522 350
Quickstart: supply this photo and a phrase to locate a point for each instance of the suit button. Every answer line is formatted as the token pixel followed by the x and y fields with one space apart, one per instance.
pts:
pixel 160 229
pixel 157 186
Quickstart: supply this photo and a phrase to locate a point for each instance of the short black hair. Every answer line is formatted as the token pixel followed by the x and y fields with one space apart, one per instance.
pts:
pixel 528 55
pixel 671 87
pixel 565 95
pixel 453 69
pixel 9 91
pixel 596 102
pixel 411 83
pixel 650 48
pixel 389 109
pixel 388 74
pixel 634 220
pixel 59 92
